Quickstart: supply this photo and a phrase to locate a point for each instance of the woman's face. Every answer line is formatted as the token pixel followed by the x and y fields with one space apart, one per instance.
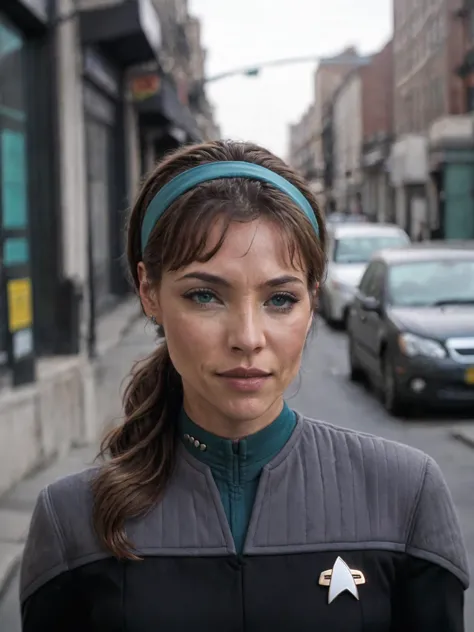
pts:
pixel 236 325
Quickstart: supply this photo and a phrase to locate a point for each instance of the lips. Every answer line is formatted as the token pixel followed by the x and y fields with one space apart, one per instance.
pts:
pixel 244 373
pixel 247 380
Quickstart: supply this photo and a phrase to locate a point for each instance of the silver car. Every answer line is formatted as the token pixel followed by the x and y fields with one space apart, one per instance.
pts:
pixel 350 248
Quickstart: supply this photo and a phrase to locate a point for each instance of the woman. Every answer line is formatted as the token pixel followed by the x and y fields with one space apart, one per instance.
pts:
pixel 220 508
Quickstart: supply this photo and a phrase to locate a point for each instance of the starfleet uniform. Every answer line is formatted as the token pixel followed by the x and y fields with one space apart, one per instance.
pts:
pixel 301 527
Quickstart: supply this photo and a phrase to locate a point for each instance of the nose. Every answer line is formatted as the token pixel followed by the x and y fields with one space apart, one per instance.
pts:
pixel 246 330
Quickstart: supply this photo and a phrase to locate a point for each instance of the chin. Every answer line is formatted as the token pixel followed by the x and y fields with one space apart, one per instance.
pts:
pixel 242 409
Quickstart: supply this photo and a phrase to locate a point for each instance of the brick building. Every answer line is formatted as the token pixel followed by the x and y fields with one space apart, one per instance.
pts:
pixel 428 49
pixel 306 136
pixel 431 98
pixel 362 122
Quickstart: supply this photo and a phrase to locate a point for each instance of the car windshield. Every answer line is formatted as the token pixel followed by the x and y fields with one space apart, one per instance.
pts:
pixel 432 283
pixel 360 249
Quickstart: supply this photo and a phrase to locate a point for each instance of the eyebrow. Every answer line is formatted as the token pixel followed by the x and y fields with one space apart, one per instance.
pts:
pixel 217 280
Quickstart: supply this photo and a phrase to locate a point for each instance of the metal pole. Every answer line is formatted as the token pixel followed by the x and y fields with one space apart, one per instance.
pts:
pixel 250 71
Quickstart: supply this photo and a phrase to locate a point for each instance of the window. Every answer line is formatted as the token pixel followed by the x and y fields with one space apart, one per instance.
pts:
pixel 360 249
pixel 439 95
pixel 429 283
pixel 14 244
pixel 372 283
pixel 367 279
pixel 376 287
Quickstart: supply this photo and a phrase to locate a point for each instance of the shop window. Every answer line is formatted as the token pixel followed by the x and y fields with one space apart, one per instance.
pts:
pixel 14 246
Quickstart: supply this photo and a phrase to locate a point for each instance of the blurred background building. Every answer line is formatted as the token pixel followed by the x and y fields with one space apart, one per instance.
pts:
pixel 394 137
pixel 92 93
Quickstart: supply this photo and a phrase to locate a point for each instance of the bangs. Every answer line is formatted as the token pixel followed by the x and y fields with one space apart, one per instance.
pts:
pixel 189 239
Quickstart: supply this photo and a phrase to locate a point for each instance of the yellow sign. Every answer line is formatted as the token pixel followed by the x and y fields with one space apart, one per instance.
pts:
pixel 20 312
pixel 470 376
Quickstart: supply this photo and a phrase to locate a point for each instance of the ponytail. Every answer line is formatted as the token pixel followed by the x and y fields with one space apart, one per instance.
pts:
pixel 141 450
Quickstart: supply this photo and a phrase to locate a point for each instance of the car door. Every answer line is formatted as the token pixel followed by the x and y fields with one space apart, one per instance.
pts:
pixel 373 323
pixel 357 323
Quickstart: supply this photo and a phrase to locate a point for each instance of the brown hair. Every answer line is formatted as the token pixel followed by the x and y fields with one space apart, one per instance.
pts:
pixel 142 449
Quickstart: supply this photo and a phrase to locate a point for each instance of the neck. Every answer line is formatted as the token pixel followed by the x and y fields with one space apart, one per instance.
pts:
pixel 212 420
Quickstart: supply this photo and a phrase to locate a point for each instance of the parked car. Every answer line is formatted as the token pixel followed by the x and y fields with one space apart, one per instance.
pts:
pixel 411 326
pixel 349 250
pixel 345 218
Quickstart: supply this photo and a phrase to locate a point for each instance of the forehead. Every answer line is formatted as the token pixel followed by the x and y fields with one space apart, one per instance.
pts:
pixel 259 247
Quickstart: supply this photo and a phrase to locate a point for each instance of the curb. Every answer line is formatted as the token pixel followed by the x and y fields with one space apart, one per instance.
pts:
pixel 10 558
pixel 465 437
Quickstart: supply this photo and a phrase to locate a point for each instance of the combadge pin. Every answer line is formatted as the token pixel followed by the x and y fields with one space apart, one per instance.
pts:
pixel 341 578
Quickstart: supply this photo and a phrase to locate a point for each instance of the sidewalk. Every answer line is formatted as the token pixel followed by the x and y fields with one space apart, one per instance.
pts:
pixel 464 434
pixel 127 340
pixel 42 420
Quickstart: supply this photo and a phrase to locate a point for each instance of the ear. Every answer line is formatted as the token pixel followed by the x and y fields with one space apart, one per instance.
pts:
pixel 149 296
pixel 314 295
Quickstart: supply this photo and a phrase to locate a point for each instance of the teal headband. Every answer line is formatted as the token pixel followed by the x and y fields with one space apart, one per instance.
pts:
pixel 214 171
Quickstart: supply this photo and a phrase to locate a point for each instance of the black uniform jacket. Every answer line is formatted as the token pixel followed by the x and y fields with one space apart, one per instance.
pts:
pixel 349 532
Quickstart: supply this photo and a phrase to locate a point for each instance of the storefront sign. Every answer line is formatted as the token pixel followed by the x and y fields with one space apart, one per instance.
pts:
pixel 145 86
pixel 20 304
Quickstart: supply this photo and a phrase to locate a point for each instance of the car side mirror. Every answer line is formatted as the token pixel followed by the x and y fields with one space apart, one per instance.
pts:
pixel 371 304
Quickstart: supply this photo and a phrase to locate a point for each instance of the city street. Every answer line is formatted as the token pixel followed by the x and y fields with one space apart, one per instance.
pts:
pixel 323 392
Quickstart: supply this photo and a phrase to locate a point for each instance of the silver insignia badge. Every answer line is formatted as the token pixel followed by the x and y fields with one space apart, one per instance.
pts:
pixel 341 578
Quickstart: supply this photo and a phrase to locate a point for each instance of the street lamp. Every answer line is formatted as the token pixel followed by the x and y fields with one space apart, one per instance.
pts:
pixel 254 71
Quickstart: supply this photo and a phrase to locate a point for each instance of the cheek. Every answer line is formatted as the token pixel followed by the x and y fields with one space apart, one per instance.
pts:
pixel 192 339
pixel 289 340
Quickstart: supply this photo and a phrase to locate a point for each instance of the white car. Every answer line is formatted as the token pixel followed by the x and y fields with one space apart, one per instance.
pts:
pixel 350 248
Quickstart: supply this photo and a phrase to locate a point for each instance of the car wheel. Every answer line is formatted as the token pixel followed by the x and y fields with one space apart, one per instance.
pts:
pixel 392 400
pixel 356 373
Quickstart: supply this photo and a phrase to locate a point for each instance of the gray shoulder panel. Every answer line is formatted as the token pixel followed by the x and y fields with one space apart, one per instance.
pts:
pixel 435 534
pixel 60 531
pixel 189 520
pixel 344 489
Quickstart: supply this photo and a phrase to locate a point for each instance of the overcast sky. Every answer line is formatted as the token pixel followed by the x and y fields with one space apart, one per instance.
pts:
pixel 244 32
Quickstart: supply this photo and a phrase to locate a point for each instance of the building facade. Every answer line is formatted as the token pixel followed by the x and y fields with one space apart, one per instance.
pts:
pixel 200 105
pixel 377 125
pixel 348 135
pixel 301 144
pixel 85 101
pixel 430 45
pixel 26 177
pixel 306 144
pixel 183 59
pixel 86 108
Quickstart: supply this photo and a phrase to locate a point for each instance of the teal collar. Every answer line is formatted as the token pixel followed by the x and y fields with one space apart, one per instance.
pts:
pixel 243 459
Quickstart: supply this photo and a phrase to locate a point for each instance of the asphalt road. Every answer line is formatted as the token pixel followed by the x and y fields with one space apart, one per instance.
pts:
pixel 324 392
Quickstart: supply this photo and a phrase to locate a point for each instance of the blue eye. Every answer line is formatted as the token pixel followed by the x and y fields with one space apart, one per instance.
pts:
pixel 282 301
pixel 201 297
